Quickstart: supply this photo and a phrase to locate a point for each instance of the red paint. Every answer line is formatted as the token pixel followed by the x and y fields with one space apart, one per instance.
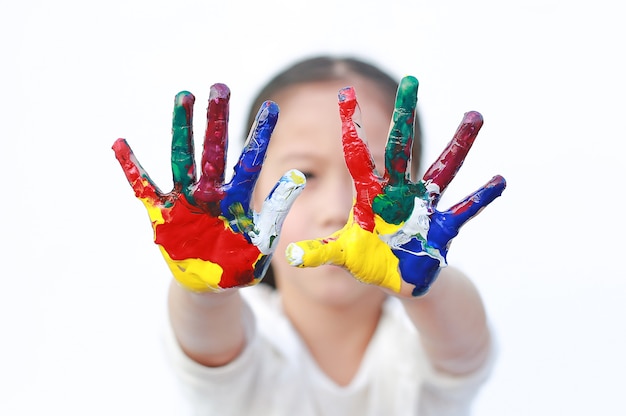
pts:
pixel 359 162
pixel 445 168
pixel 135 174
pixel 399 165
pixel 465 205
pixel 190 233
pixel 194 230
pixel 209 188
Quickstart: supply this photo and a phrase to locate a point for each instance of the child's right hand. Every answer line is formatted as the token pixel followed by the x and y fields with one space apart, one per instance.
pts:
pixel 205 229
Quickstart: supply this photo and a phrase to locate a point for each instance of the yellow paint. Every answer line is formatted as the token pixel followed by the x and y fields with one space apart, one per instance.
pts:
pixel 195 274
pixel 243 221
pixel 154 212
pixel 297 177
pixel 384 228
pixel 363 253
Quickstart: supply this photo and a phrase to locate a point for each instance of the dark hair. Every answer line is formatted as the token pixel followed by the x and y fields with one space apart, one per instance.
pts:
pixel 327 68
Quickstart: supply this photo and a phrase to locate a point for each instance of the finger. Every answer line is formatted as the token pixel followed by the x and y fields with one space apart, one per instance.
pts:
pixel 394 206
pixel 400 142
pixel 313 253
pixel 449 222
pixel 358 158
pixel 215 145
pixel 136 175
pixel 246 172
pixel 441 173
pixel 269 221
pixel 183 164
pixel 362 253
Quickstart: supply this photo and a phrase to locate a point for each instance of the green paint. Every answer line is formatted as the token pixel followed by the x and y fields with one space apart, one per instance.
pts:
pixel 397 201
pixel 400 141
pixel 183 164
pixel 242 220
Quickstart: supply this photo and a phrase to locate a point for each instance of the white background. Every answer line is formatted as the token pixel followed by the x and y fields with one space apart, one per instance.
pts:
pixel 82 299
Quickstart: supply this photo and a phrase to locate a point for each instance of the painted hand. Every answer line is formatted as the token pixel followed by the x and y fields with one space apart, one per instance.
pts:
pixel 395 237
pixel 205 229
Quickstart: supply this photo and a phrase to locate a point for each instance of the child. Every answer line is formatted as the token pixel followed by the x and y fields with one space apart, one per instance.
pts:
pixel 321 342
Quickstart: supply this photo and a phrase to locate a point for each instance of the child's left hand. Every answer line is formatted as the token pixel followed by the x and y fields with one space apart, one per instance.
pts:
pixel 205 228
pixel 395 237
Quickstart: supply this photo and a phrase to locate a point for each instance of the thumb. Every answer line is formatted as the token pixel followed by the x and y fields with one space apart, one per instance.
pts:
pixel 312 253
pixel 276 206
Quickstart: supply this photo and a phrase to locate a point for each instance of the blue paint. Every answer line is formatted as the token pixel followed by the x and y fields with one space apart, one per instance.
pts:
pixel 422 270
pixel 247 170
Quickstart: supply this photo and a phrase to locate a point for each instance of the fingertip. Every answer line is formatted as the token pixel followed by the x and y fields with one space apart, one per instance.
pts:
pixel 294 254
pixel 347 103
pixel 409 82
pixel 287 189
pixel 122 151
pixel 499 182
pixel 119 144
pixel 474 118
pixel 219 91
pixel 296 177
pixel 491 190
pixel 269 109
pixel 272 107
pixel 346 94
pixel 406 96
pixel 185 98
pixel 268 113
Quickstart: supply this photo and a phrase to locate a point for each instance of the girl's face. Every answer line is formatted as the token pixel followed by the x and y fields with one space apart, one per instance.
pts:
pixel 307 137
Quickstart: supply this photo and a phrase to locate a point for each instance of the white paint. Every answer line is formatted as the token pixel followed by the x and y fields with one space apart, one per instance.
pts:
pixel 276 206
pixel 417 224
pixel 295 254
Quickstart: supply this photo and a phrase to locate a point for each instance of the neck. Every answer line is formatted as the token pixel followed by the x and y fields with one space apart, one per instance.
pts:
pixel 337 335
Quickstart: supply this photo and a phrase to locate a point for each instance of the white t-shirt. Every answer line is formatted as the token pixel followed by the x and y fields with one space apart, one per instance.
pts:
pixel 276 376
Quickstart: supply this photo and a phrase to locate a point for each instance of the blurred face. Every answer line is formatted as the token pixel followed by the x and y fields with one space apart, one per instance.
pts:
pixel 308 138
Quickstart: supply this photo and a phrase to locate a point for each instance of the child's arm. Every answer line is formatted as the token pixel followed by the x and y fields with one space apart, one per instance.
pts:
pixel 452 323
pixel 210 238
pixel 397 239
pixel 208 326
